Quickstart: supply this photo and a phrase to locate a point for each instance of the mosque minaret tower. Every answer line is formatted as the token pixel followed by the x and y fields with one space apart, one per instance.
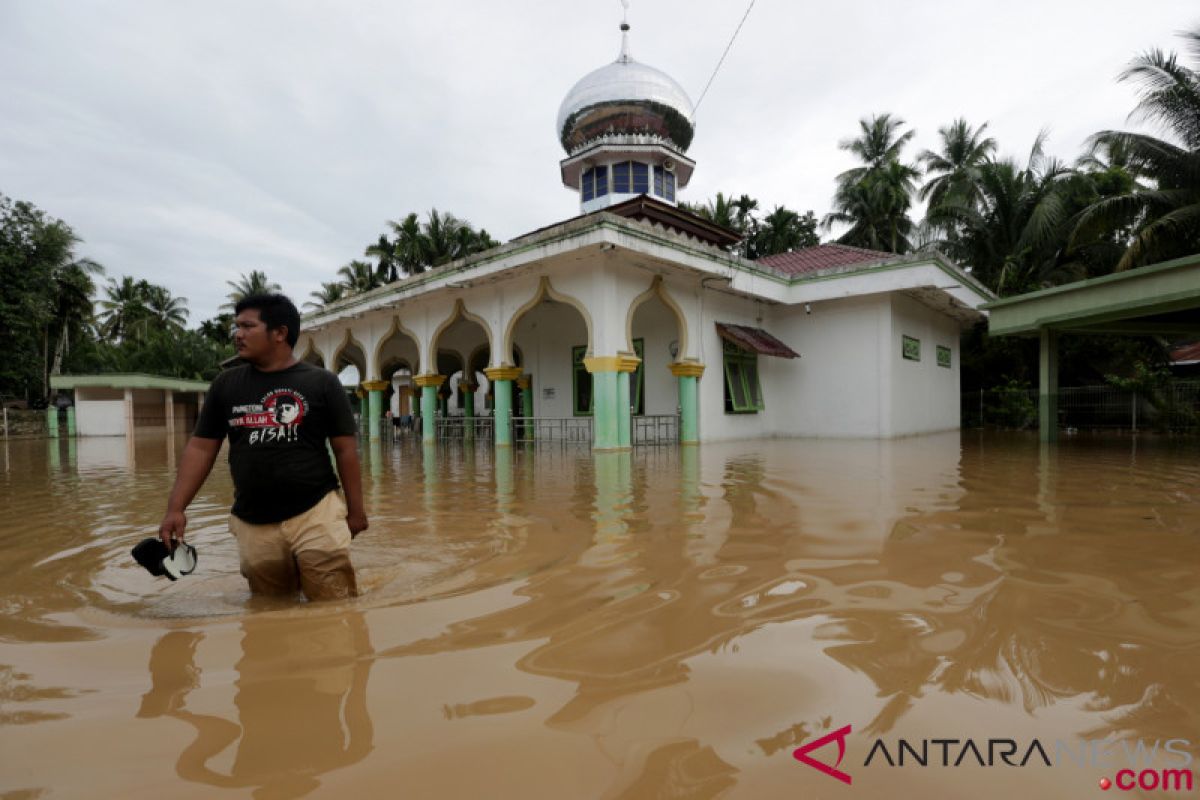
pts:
pixel 626 128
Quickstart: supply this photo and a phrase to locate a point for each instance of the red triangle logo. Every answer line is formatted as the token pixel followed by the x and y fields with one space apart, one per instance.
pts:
pixel 801 754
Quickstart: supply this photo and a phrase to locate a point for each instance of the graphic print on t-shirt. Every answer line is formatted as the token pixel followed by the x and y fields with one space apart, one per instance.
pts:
pixel 275 419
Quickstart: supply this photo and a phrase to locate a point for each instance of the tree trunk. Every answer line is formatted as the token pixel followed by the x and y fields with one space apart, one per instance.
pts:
pixel 60 350
pixel 45 361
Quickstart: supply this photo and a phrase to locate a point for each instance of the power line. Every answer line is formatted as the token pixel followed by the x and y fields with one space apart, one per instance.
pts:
pixel 722 60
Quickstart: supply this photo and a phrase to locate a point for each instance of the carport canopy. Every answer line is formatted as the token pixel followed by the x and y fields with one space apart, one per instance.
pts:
pixel 1161 299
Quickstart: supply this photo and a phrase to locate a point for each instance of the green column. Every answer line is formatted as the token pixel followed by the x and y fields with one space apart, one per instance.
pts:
pixel 52 420
pixel 1048 386
pixel 605 428
pixel 527 398
pixel 688 373
pixel 502 382
pixel 468 397
pixel 624 420
pixel 374 406
pixel 503 415
pixel 429 400
pixel 70 420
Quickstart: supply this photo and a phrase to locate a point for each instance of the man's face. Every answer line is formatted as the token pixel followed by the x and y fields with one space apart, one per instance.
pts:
pixel 286 412
pixel 251 338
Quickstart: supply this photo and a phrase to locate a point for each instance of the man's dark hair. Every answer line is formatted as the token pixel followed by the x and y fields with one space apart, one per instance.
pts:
pixel 276 311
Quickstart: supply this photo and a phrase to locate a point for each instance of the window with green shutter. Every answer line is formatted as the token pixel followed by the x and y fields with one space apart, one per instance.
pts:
pixel 743 390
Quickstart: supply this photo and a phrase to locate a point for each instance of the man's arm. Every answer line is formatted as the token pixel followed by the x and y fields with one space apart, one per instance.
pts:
pixel 345 453
pixel 194 466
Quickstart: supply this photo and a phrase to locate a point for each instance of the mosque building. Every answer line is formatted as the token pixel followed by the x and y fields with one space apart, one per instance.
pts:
pixel 635 322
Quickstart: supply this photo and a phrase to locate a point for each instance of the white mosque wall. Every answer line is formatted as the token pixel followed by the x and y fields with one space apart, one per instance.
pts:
pixel 925 397
pixel 656 326
pixel 836 387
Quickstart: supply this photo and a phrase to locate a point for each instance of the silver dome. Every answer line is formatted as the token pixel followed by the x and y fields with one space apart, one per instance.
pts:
pixel 627 82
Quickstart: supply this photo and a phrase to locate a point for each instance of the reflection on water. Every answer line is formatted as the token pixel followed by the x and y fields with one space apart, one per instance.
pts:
pixel 561 624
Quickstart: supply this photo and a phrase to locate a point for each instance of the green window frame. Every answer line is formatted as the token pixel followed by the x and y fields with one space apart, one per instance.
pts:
pixel 743 388
pixel 943 356
pixel 582 402
pixel 637 381
pixel 910 348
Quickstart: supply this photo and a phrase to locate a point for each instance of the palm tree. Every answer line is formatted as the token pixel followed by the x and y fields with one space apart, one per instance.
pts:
pixel 256 282
pixel 783 230
pixel 385 251
pixel 165 310
pixel 73 309
pixel 1164 216
pixel 409 248
pixel 124 308
pixel 440 236
pixel 358 277
pixel 874 199
pixel 329 293
pixel 955 170
pixel 1012 235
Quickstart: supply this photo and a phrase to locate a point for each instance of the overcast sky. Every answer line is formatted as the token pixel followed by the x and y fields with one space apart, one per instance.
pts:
pixel 190 142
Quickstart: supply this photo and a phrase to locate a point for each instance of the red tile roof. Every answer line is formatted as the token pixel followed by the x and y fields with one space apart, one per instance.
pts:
pixel 824 256
pixel 1188 354
pixel 756 340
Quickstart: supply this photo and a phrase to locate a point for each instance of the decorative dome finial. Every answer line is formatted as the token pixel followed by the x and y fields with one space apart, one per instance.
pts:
pixel 624 58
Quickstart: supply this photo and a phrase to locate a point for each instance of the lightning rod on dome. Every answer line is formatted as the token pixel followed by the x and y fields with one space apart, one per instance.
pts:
pixel 624 58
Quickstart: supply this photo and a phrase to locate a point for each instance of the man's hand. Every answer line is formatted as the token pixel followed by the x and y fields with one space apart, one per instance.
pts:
pixel 172 528
pixel 357 522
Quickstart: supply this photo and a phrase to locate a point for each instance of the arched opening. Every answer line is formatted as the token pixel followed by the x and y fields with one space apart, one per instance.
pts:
pixel 553 338
pixel 350 365
pixel 456 339
pixel 656 336
pixel 312 355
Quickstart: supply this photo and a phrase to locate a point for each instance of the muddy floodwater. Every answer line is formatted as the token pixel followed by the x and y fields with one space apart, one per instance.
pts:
pixel 663 623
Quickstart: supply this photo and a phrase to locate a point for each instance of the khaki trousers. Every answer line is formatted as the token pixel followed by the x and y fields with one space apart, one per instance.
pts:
pixel 309 552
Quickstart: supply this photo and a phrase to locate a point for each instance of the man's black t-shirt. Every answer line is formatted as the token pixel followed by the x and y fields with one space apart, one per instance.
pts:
pixel 277 423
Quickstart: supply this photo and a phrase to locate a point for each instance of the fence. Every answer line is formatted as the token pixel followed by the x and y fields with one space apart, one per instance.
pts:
pixel 656 429
pixel 565 430
pixel 1174 407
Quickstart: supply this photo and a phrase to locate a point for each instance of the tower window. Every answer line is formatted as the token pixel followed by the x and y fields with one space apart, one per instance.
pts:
pixel 641 178
pixel 631 177
pixel 664 183
pixel 595 183
pixel 621 177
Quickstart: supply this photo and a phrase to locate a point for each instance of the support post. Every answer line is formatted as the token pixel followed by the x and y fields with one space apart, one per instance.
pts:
pixel 129 413
pixel 604 402
pixel 502 381
pixel 52 420
pixel 525 384
pixel 71 420
pixel 627 364
pixel 375 390
pixel 429 402
pixel 1048 386
pixel 169 410
pixel 688 373
pixel 467 391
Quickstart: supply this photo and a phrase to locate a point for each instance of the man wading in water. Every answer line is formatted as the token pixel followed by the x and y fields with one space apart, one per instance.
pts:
pixel 293 529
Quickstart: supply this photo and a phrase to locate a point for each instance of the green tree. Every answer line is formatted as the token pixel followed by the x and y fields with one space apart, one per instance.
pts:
pixel 1163 216
pixel 73 308
pixel 359 277
pixel 329 293
pixel 874 199
pixel 954 170
pixel 1013 235
pixel 409 248
pixel 778 232
pixel 256 282
pixel 384 251
pixel 165 310
pixel 33 249
pixel 124 311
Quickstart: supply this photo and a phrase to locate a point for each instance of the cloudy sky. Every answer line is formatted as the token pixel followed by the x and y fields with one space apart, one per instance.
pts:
pixel 189 142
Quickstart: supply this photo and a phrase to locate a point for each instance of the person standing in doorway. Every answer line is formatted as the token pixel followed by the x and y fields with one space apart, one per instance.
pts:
pixel 293 526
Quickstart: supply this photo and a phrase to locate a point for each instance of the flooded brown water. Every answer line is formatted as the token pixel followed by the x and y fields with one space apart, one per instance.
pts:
pixel 666 623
